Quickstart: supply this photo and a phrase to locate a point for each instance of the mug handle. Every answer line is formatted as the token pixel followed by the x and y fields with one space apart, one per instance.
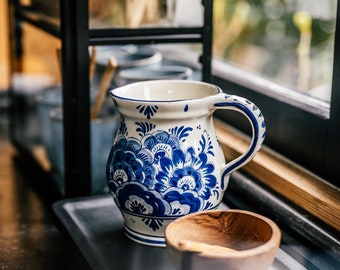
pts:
pixel 258 125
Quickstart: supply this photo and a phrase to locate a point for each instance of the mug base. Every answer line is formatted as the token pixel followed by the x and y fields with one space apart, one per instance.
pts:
pixel 144 239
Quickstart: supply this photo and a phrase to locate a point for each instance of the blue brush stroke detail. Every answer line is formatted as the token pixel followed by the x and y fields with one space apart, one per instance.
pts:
pixel 254 123
pixel 147 110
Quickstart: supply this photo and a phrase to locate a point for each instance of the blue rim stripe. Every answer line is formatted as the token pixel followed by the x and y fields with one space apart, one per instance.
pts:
pixel 138 238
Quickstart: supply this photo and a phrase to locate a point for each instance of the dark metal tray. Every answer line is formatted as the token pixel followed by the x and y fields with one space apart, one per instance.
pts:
pixel 96 227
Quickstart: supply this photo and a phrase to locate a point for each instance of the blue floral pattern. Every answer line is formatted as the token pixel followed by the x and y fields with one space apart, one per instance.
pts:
pixel 156 176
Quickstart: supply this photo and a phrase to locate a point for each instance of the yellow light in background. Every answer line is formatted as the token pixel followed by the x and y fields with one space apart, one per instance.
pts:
pixel 4 48
pixel 303 21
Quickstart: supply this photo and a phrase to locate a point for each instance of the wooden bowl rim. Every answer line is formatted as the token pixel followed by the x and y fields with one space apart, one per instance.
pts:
pixel 272 244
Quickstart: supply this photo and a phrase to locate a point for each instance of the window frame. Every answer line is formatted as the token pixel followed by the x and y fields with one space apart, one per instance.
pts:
pixel 307 132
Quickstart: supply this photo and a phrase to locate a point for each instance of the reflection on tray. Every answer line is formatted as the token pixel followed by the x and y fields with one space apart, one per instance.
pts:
pixel 95 225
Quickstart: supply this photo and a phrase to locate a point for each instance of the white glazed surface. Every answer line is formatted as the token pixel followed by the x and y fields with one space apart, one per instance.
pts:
pixel 159 91
pixel 166 161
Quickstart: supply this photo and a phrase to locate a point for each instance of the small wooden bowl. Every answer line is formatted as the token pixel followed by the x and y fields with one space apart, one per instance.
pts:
pixel 222 239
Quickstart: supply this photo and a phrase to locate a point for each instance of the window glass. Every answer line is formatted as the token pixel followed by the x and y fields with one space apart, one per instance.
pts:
pixel 287 41
pixel 151 13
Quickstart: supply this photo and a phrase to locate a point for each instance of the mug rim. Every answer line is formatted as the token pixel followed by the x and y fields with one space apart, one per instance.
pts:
pixel 211 90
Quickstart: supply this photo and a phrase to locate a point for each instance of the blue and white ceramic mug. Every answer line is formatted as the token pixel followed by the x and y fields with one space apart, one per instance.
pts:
pixel 165 161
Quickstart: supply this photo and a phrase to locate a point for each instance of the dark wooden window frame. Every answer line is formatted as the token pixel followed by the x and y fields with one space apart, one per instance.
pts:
pixel 303 129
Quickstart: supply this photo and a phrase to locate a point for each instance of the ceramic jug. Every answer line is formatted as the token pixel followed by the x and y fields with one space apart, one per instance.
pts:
pixel 165 160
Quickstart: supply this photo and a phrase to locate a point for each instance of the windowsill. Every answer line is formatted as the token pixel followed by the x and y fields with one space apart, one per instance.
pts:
pixel 283 176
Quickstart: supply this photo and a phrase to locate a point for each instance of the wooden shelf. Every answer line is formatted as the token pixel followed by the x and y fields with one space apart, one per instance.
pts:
pixel 285 177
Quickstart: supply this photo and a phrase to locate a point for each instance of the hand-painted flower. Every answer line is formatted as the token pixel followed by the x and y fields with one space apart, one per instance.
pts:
pixel 128 162
pixel 183 202
pixel 136 198
pixel 186 171
pixel 161 144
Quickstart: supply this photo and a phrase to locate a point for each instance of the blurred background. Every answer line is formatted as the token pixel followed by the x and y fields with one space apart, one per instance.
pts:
pixel 286 41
